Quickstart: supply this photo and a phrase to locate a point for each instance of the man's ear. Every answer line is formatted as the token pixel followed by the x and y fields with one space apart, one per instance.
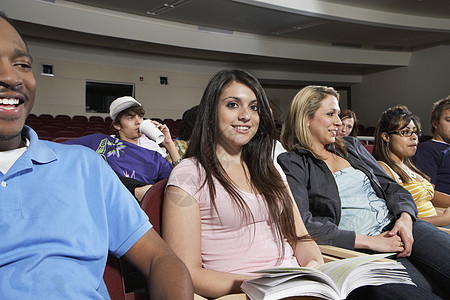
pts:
pixel 434 124
pixel 385 137
pixel 116 126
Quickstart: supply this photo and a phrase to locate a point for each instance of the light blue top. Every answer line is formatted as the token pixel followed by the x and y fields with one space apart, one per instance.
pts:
pixel 362 210
pixel 61 209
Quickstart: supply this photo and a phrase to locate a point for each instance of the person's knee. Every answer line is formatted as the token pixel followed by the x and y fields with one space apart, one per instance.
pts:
pixel 391 292
pixel 424 230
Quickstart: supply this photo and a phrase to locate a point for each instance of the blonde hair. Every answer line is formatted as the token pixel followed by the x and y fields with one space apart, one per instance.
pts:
pixel 295 131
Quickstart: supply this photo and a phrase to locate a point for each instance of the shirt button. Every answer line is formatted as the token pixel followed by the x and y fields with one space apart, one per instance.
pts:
pixel 3 183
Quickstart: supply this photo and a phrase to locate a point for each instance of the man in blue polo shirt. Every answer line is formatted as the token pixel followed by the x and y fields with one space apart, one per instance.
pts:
pixel 62 208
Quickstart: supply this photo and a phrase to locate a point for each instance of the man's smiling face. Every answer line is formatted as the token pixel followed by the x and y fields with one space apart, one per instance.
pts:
pixel 17 86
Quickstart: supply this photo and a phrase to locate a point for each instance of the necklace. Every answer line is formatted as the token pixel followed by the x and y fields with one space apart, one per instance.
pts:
pixel 410 173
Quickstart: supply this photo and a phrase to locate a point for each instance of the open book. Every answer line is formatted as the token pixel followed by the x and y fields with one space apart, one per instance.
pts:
pixel 333 280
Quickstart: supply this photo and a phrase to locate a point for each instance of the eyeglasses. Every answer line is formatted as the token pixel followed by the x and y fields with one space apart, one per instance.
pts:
pixel 405 133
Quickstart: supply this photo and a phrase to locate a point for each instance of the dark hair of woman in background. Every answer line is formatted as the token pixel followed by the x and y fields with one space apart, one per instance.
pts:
pixel 349 125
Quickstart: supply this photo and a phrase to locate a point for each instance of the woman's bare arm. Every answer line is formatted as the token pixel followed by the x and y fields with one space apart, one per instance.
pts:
pixel 182 231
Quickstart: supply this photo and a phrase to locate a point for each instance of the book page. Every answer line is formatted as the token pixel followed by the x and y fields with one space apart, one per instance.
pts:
pixel 333 280
pixel 282 275
pixel 289 285
pixel 351 273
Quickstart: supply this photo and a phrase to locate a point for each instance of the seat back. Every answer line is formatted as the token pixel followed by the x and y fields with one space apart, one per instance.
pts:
pixel 45 117
pixel 66 133
pixel 61 139
pixel 369 148
pixel 50 129
pixel 116 270
pixel 64 118
pixel 152 202
pixel 96 119
pixel 115 283
pixel 79 118
pixel 113 279
pixel 44 134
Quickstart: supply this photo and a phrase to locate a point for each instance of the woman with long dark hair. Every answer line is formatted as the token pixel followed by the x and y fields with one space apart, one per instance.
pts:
pixel 228 211
pixel 396 141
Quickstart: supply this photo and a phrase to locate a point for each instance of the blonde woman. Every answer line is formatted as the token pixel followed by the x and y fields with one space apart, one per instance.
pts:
pixel 345 197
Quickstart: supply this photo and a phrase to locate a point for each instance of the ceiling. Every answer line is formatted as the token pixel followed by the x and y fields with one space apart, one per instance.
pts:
pixel 239 16
pixel 355 24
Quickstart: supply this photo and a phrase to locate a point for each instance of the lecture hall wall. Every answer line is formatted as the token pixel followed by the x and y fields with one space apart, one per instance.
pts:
pixel 64 93
pixel 425 80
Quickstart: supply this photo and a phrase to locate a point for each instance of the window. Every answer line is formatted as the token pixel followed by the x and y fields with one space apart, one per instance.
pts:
pixel 99 95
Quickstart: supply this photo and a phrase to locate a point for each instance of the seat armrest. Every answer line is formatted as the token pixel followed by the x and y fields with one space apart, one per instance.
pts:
pixel 331 253
pixel 445 229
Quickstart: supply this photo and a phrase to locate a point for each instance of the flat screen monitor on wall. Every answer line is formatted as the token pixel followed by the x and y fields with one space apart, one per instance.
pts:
pixel 100 94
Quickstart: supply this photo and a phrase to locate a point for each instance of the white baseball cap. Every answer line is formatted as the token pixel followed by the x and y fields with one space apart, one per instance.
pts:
pixel 120 104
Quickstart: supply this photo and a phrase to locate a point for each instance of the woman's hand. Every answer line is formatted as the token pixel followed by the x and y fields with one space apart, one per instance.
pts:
pixel 314 263
pixel 446 212
pixel 383 242
pixel 399 239
pixel 403 228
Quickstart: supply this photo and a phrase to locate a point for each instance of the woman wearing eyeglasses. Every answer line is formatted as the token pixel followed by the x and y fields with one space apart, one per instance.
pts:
pixel 396 140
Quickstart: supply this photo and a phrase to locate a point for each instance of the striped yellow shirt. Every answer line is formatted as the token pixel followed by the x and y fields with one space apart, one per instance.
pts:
pixel 422 192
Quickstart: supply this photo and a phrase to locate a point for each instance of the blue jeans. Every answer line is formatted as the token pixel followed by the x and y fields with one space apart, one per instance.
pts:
pixel 395 291
pixel 431 256
pixel 429 263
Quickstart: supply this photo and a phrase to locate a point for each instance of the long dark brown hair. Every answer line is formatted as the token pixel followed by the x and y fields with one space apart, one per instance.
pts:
pixel 264 178
pixel 394 119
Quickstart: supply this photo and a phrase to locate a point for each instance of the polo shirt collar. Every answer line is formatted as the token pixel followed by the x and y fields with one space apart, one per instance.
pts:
pixel 38 151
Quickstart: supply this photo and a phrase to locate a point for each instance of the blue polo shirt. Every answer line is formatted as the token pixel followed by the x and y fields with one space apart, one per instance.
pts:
pixel 62 209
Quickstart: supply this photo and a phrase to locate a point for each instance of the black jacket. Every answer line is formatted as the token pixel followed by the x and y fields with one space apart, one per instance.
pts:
pixel 317 195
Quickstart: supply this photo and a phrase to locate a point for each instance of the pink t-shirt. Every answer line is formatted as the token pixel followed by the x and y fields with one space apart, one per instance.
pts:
pixel 231 244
